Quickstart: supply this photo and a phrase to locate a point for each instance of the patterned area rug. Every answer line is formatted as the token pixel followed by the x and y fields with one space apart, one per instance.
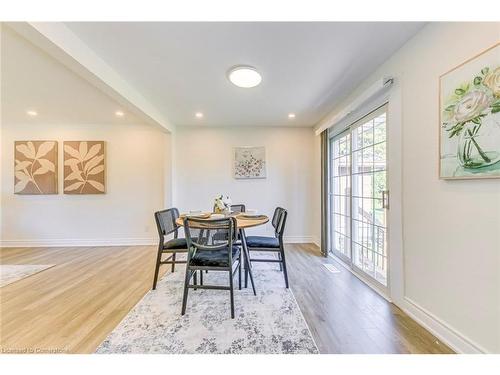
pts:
pixel 270 322
pixel 10 273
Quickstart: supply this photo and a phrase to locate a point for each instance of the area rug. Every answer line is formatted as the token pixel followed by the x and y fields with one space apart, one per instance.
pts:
pixel 10 273
pixel 270 322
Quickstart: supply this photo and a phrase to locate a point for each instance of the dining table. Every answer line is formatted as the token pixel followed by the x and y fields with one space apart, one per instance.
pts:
pixel 243 221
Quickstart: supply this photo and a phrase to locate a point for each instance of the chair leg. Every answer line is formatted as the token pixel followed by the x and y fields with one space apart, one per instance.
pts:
pixel 231 291
pixel 249 272
pixel 186 289
pixel 282 252
pixel 157 268
pixel 201 277
pixel 239 273
pixel 195 279
pixel 279 257
pixel 246 275
pixel 173 262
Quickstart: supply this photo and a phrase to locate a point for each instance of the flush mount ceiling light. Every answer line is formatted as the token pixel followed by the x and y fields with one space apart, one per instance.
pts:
pixel 291 115
pixel 199 115
pixel 32 113
pixel 244 76
pixel 119 114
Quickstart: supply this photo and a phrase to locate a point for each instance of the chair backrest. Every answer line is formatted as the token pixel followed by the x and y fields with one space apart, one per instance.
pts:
pixel 238 207
pixel 278 221
pixel 204 234
pixel 165 222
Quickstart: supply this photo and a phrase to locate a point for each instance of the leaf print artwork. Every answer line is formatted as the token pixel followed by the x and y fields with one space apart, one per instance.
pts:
pixel 84 167
pixel 35 169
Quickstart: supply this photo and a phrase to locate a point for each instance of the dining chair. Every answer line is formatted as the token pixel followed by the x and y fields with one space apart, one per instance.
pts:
pixel 207 253
pixel 165 223
pixel 235 208
pixel 271 244
pixel 238 208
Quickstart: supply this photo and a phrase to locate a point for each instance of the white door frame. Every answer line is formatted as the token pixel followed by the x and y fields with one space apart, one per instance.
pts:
pixel 395 290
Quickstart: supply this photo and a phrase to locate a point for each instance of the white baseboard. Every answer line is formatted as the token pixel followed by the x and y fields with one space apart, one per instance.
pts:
pixel 80 242
pixel 444 332
pixel 112 242
pixel 316 241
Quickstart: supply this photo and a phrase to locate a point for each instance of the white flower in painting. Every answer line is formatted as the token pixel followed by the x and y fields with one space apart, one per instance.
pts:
pixel 492 81
pixel 471 105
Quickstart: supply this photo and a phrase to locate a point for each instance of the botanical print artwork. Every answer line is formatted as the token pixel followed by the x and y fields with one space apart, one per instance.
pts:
pixel 84 168
pixel 35 167
pixel 250 162
pixel 470 118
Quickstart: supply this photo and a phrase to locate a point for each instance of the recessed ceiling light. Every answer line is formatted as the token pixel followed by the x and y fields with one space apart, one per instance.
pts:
pixel 32 113
pixel 119 114
pixel 244 76
pixel 291 115
pixel 199 115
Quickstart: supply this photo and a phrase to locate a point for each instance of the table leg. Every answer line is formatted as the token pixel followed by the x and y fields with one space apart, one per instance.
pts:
pixel 248 265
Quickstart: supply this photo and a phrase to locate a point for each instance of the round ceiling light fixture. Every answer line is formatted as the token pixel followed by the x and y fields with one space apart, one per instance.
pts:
pixel 244 76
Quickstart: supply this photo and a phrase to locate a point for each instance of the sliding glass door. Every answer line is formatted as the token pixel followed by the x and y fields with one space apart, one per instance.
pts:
pixel 359 196
pixel 340 197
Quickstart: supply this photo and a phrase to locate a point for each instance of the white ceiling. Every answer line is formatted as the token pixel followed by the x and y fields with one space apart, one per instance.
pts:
pixel 33 80
pixel 306 67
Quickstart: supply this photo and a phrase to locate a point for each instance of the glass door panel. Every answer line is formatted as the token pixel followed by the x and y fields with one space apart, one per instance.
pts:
pixel 340 196
pixel 358 189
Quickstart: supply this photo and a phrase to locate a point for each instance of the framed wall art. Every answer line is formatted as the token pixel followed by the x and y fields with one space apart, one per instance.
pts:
pixel 249 162
pixel 84 167
pixel 469 112
pixel 35 169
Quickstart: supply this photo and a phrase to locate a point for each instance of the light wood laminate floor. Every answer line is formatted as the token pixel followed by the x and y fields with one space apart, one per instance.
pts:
pixel 72 306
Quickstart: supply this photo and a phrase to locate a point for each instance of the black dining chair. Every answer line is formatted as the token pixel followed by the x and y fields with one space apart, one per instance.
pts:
pixel 238 208
pixel 207 253
pixel 271 244
pixel 166 225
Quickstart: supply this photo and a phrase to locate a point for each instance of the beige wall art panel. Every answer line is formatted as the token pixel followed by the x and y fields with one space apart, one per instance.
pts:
pixel 84 167
pixel 35 169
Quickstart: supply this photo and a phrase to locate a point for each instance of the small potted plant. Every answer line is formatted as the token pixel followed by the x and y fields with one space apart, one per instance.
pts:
pixel 222 205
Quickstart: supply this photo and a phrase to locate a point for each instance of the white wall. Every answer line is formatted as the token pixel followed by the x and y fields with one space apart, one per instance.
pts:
pixel 204 169
pixel 135 156
pixel 451 229
pixel 138 159
pixel 1 107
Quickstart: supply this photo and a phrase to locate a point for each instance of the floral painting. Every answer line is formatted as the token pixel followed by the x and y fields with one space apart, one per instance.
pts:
pixel 470 118
pixel 84 167
pixel 35 169
pixel 249 162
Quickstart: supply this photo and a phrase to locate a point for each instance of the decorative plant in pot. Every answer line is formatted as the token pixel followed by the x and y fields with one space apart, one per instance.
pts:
pixel 222 204
pixel 472 114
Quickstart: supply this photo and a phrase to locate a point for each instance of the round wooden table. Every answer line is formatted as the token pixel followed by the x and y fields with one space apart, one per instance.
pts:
pixel 242 222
